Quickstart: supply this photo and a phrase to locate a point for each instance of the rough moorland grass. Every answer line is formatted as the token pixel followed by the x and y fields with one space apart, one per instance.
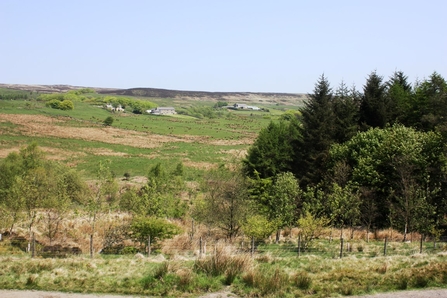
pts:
pixel 269 274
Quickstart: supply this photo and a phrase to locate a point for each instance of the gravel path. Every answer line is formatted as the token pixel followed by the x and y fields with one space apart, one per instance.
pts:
pixel 437 293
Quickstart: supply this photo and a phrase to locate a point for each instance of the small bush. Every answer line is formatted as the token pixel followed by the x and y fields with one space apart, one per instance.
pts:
pixel 129 250
pixel 108 121
pixel 224 262
pixel 420 281
pixel 266 280
pixel 302 280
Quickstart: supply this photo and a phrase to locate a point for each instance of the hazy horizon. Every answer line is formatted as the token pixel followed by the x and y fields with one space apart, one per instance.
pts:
pixel 228 46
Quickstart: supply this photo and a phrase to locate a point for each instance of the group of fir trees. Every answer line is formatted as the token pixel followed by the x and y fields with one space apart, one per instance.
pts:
pixel 392 169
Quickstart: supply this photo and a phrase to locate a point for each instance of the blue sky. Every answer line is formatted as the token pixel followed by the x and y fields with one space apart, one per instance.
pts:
pixel 254 46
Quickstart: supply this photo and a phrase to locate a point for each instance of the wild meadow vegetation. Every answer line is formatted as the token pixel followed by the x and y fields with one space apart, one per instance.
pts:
pixel 343 195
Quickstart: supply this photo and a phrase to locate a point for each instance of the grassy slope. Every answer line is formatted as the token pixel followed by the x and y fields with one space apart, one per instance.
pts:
pixel 214 140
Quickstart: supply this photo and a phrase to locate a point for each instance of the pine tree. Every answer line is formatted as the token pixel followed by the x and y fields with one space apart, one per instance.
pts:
pixel 399 93
pixel 346 109
pixel 375 109
pixel 318 133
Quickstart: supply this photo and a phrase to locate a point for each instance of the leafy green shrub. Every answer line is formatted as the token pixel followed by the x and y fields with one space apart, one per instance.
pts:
pixel 66 105
pixel 157 228
pixel 129 250
pixel 108 121
pixel 60 105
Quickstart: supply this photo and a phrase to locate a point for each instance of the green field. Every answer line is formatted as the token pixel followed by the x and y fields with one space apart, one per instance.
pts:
pixel 199 143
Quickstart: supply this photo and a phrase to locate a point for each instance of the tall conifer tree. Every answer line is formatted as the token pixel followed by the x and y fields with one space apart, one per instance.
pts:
pixel 375 110
pixel 318 133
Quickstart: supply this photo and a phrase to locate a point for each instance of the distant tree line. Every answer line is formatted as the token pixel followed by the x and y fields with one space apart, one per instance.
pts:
pixel 8 94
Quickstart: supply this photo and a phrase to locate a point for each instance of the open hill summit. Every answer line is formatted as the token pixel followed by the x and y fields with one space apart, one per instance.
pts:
pixel 282 98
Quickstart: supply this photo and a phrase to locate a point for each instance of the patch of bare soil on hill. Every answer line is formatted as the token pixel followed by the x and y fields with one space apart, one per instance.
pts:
pixel 38 125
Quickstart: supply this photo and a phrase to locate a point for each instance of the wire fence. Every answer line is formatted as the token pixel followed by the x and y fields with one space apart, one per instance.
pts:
pixel 290 247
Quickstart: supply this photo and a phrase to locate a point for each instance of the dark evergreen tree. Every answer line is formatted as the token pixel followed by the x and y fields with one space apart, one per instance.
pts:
pixel 272 152
pixel 318 133
pixel 430 104
pixel 399 93
pixel 346 109
pixel 375 108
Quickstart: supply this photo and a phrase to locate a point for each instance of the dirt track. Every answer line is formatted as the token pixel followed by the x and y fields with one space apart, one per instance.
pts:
pixel 437 293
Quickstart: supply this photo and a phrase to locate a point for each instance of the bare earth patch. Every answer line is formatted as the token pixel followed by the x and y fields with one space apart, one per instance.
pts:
pixel 38 125
pixel 199 165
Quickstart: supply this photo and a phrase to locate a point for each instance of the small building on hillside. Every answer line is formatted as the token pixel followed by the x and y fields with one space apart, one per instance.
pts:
pixel 162 111
pixel 242 106
pixel 110 107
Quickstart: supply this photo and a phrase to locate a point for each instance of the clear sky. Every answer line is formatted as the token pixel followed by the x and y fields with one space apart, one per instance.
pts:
pixel 219 45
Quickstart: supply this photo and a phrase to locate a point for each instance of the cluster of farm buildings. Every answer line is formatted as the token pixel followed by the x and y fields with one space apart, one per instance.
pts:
pixel 171 110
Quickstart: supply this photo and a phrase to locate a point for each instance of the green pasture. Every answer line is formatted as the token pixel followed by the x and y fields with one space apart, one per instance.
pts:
pixel 206 141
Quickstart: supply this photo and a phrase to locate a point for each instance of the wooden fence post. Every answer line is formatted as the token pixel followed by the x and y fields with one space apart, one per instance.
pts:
pixel 252 245
pixel 341 247
pixel 299 244
pixel 33 246
pixel 148 246
pixel 192 229
pixel 420 245
pixel 200 248
pixel 384 246
pixel 91 246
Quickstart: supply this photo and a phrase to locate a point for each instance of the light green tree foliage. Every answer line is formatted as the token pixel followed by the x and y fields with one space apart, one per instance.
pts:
pixel 258 226
pixel 311 227
pixel 55 206
pixel 314 201
pixel 61 105
pixel 410 206
pixel 157 228
pixel 10 200
pixel 344 205
pixel 278 198
pixel 161 196
pixel 103 194
pixel 225 204
pixel 135 105
pixel 381 159
pixel 34 189
pixel 283 200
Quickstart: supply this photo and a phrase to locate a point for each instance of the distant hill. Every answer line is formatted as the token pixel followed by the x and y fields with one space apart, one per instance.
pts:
pixel 280 98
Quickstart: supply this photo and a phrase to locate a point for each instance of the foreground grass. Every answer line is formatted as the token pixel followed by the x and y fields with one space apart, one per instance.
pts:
pixel 269 274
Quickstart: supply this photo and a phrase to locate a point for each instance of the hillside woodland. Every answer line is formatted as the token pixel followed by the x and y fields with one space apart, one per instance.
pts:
pixel 374 158
pixel 347 159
